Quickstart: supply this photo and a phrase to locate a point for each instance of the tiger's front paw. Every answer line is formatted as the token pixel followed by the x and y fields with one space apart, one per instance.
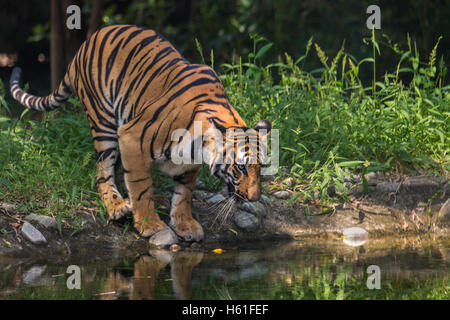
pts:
pixel 188 229
pixel 119 208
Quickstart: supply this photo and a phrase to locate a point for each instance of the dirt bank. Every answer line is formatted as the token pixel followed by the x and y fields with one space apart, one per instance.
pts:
pixel 408 208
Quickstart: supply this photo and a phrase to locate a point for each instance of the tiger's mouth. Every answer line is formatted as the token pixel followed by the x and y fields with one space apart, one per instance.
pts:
pixel 237 197
pixel 234 194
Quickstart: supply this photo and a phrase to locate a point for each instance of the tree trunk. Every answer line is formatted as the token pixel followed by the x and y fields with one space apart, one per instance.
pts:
pixel 72 38
pixel 57 55
pixel 96 17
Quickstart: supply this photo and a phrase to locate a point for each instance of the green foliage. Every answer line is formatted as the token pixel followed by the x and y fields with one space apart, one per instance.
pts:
pixel 220 25
pixel 327 116
pixel 49 163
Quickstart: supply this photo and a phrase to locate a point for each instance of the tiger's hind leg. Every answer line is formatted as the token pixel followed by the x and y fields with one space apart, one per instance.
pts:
pixel 116 205
pixel 181 219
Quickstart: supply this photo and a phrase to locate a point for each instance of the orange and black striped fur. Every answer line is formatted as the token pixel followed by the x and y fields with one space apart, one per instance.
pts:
pixel 137 89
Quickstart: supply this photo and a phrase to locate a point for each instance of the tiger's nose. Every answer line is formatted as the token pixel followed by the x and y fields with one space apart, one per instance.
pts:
pixel 254 197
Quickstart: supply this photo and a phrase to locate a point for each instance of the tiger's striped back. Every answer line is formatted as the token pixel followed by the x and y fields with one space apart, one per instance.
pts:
pixel 124 71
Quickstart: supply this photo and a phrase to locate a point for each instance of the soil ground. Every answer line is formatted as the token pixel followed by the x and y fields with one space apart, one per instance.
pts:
pixel 407 211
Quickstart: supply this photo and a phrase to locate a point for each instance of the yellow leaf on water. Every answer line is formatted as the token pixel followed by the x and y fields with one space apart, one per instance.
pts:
pixel 234 231
pixel 7 242
pixel 218 250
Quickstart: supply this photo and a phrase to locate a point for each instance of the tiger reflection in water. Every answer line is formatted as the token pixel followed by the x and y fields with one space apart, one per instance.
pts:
pixel 141 286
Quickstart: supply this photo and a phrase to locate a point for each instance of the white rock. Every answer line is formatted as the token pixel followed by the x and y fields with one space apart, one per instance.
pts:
pixel 164 237
pixel 355 236
pixel 281 195
pixel 355 232
pixel 33 234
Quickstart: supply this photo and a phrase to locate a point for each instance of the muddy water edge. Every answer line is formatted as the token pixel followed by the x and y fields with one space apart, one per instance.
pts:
pixel 295 252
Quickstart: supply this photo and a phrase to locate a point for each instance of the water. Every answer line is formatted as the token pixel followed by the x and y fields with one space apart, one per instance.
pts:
pixel 409 269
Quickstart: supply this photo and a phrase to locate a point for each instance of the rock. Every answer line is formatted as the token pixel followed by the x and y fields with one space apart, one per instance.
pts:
pixel 355 236
pixel 356 189
pixel 355 232
pixel 253 207
pixel 444 212
pixel 163 238
pixel 246 221
pixel 413 185
pixel 8 206
pixel 422 184
pixel 45 221
pixel 282 195
pixel 265 199
pixel 371 178
pixel 387 187
pixel 216 198
pixel 33 234
pixel 202 195
pixel 200 185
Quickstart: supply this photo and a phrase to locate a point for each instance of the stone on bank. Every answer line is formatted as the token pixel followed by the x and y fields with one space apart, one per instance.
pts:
pixel 246 221
pixel 32 234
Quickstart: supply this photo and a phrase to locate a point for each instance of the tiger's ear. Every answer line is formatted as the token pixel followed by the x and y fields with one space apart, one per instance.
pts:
pixel 264 125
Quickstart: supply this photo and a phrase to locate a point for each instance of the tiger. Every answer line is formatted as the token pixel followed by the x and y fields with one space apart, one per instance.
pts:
pixel 137 89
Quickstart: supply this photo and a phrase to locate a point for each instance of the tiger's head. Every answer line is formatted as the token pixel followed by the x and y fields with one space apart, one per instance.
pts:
pixel 244 152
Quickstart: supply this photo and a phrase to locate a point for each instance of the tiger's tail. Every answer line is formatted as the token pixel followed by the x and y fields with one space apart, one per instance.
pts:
pixel 47 103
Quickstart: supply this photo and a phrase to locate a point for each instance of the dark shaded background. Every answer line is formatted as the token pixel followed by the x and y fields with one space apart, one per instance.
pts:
pixel 225 26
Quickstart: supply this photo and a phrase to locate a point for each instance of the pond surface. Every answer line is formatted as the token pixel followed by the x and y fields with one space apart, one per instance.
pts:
pixel 409 269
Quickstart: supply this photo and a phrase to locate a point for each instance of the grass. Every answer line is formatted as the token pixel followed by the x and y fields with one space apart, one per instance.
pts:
pixel 331 125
